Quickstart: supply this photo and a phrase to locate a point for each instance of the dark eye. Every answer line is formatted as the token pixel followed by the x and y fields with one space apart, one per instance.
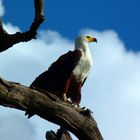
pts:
pixel 88 36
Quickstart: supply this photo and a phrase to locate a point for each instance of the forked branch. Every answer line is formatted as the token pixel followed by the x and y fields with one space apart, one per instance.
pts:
pixel 8 40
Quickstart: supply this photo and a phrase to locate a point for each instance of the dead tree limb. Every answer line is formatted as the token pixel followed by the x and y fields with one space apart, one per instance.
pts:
pixel 39 9
pixel 8 40
pixel 51 108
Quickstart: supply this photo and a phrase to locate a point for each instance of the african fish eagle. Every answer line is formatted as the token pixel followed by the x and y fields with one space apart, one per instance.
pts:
pixel 66 76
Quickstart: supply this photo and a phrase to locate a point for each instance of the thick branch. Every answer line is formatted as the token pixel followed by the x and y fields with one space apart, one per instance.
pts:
pixel 8 40
pixel 50 108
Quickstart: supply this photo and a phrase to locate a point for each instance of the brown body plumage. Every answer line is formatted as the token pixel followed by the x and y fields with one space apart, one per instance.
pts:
pixel 59 79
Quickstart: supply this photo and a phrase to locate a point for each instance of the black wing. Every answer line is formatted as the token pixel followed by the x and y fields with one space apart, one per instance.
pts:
pixel 58 72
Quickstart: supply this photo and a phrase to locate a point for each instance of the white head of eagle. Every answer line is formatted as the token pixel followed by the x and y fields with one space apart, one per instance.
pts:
pixel 66 76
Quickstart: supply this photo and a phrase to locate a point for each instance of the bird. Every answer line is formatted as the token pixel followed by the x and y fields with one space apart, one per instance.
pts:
pixel 66 76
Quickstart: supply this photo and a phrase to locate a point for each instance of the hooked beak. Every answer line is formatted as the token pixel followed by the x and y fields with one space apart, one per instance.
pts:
pixel 91 39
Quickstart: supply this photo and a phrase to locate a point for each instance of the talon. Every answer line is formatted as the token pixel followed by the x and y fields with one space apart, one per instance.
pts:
pixel 83 108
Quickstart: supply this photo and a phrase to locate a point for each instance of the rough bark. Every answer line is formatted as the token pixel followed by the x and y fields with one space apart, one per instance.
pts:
pixel 80 122
pixel 8 40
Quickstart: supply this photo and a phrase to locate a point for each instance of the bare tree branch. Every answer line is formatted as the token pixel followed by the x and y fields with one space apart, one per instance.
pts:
pixel 39 9
pixel 8 40
pixel 51 108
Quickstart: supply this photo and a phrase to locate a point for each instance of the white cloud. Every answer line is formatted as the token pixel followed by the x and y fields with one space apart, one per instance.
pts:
pixel 112 90
pixel 2 11
pixel 113 85
pixel 10 28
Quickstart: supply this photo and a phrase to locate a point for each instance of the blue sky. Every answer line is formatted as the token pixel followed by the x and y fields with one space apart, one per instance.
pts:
pixel 68 17
pixel 112 89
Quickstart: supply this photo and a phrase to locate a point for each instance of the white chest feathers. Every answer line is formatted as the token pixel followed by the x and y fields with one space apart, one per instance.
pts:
pixel 83 67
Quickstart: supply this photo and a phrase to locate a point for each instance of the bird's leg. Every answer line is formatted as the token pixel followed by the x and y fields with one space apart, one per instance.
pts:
pixel 78 105
pixel 65 98
pixel 65 90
